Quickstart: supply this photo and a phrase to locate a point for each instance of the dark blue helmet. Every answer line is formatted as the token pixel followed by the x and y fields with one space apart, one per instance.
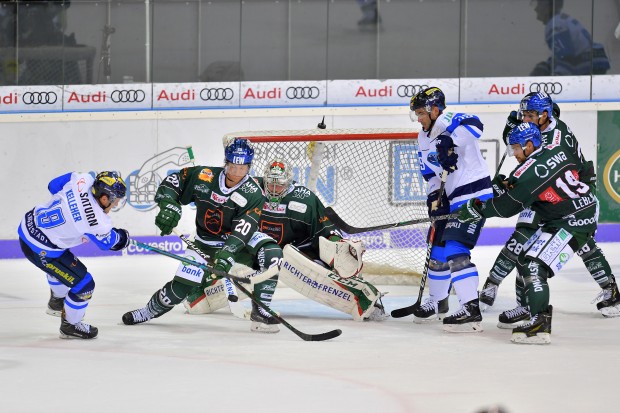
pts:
pixel 109 183
pixel 538 102
pixel 239 152
pixel 427 98
pixel 527 131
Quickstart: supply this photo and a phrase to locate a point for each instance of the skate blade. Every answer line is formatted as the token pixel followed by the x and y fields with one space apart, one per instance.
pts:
pixel 264 328
pixel 475 327
pixel 611 312
pixel 508 326
pixel 55 313
pixel 69 337
pixel 429 320
pixel 522 338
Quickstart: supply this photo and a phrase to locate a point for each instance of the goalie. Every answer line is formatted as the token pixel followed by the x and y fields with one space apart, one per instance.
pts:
pixel 316 260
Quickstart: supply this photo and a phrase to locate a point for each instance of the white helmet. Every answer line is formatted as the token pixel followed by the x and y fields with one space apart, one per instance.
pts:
pixel 277 179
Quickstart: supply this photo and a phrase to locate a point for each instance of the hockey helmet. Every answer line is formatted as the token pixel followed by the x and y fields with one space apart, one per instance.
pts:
pixel 537 101
pixel 239 152
pixel 521 134
pixel 109 183
pixel 277 178
pixel 427 98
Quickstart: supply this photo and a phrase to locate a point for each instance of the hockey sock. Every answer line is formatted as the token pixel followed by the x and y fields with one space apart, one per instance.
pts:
pixel 58 289
pixel 165 299
pixel 439 283
pixel 596 263
pixel 520 291
pixel 537 289
pixel 264 291
pixel 503 265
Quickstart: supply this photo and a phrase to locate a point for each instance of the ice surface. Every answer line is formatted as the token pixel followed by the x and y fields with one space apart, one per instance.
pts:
pixel 213 363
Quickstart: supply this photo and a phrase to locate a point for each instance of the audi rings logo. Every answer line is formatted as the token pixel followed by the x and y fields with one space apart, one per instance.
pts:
pixel 128 96
pixel 303 92
pixel 39 98
pixel 407 91
pixel 550 88
pixel 217 94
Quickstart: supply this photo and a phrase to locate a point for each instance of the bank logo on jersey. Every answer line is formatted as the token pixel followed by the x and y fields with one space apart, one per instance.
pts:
pixel 301 193
pixel 206 175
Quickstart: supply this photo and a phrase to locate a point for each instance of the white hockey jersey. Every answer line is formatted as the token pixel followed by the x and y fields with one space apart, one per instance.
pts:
pixel 471 179
pixel 70 218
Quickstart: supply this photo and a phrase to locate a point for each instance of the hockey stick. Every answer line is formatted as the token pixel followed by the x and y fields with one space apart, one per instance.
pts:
pixel 403 312
pixel 304 336
pixel 350 229
pixel 236 308
pixel 215 274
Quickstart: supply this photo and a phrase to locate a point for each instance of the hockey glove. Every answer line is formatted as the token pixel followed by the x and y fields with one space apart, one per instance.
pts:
pixel 168 217
pixel 471 211
pixel 123 239
pixel 223 261
pixel 434 209
pixel 499 185
pixel 445 153
pixel 512 122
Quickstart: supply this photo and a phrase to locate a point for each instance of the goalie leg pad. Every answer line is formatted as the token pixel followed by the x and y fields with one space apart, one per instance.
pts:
pixel 344 256
pixel 349 295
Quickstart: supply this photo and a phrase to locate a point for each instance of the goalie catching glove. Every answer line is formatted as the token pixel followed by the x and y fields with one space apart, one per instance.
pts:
pixel 343 256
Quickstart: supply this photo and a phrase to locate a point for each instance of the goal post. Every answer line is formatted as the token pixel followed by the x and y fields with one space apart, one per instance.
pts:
pixel 369 177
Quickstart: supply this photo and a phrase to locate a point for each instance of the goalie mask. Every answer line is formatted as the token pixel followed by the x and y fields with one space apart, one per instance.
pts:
pixel 277 179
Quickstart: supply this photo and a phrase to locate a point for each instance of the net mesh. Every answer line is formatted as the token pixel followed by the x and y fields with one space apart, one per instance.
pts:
pixel 369 176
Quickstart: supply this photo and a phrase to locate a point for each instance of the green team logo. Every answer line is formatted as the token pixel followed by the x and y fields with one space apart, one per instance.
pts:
pixel 564 257
pixel 611 176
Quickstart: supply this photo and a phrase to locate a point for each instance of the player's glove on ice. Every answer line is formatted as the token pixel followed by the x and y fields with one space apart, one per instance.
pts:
pixel 445 153
pixel 432 203
pixel 168 217
pixel 471 211
pixel 223 261
pixel 512 122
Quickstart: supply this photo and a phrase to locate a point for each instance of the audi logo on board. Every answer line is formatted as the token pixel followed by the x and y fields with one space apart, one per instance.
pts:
pixel 407 91
pixel 302 92
pixel 36 98
pixel 217 93
pixel 550 88
pixel 128 96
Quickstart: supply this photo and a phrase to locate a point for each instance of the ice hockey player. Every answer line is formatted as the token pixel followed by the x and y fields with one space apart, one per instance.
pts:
pixel 77 212
pixel 539 109
pixel 317 261
pixel 449 142
pixel 228 208
pixel 547 181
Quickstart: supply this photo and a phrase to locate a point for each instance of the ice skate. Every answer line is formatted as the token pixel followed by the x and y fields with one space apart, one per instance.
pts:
pixel 467 320
pixel 55 305
pixel 262 322
pixel 511 318
pixel 431 311
pixel 488 294
pixel 537 331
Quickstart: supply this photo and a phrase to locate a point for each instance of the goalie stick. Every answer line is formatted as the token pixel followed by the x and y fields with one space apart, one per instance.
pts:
pixel 405 311
pixel 304 336
pixel 350 229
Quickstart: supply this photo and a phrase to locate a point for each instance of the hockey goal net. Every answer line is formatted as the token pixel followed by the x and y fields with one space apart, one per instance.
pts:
pixel 369 177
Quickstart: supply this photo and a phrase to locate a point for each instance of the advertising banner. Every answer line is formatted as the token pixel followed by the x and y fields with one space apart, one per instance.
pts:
pixel 510 89
pixel 382 92
pixel 30 98
pixel 123 96
pixel 608 170
pixel 285 93
pixel 196 95
pixel 606 87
